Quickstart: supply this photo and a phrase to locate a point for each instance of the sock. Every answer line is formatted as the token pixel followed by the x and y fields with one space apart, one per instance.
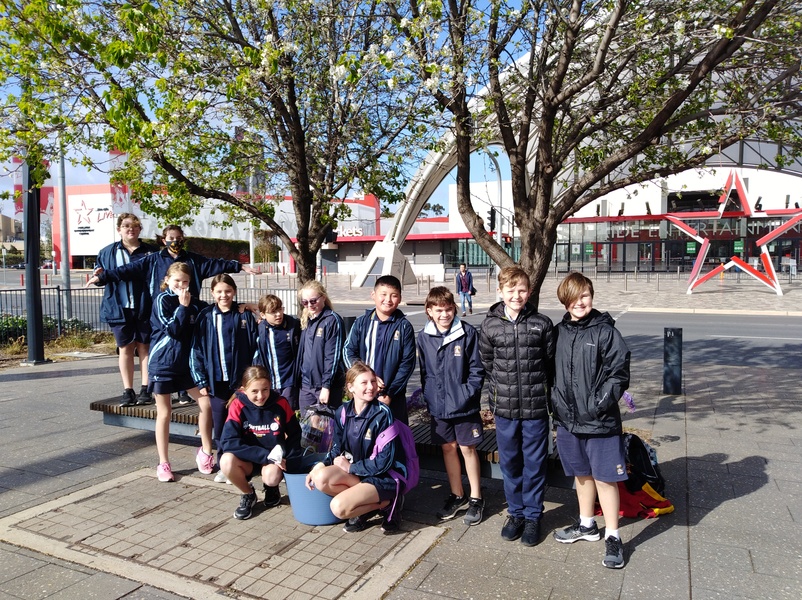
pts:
pixel 611 533
pixel 586 522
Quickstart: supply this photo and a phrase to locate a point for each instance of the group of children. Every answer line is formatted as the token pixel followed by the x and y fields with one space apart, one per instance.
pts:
pixel 249 379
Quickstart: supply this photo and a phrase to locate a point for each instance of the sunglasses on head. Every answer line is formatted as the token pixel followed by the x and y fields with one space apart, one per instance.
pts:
pixel 311 301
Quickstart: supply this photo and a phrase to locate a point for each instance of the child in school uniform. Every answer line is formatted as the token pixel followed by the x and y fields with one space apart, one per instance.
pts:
pixel 592 373
pixel 277 346
pixel 517 348
pixel 222 348
pixel 451 377
pixel 361 485
pixel 175 311
pixel 259 437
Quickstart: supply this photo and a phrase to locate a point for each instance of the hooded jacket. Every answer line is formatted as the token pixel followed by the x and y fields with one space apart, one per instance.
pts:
pixel 519 361
pixel 592 372
pixel 251 432
pixel 451 370
pixel 131 294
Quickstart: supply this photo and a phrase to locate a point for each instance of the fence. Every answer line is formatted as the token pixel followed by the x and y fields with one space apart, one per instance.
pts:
pixel 78 309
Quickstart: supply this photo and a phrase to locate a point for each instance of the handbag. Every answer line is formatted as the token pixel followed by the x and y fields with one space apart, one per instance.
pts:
pixel 473 291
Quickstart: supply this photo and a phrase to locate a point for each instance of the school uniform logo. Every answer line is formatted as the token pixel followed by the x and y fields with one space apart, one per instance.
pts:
pixel 368 435
pixel 396 336
pixel 619 469
pixel 319 333
pixel 457 350
pixel 475 432
pixel 242 324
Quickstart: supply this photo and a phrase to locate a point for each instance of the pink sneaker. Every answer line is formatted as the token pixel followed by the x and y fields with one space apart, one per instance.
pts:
pixel 164 472
pixel 205 461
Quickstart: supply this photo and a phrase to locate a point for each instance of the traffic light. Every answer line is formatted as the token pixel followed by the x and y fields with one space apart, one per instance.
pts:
pixel 491 219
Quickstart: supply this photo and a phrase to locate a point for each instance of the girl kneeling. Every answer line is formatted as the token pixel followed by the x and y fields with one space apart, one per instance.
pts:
pixel 361 485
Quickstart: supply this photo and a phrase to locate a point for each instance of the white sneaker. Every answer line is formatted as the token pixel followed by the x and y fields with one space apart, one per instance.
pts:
pixel 221 478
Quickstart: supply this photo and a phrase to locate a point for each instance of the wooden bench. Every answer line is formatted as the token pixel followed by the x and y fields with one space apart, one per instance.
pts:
pixel 184 423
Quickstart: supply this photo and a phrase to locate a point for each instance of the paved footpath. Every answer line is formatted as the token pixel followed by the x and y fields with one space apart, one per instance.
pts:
pixel 82 515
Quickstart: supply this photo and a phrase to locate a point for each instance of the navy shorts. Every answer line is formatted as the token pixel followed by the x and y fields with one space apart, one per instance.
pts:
pixel 384 484
pixel 168 386
pixel 586 456
pixel 466 431
pixel 133 330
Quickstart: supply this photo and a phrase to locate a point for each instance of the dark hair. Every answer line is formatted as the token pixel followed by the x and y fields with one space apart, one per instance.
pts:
pixel 172 228
pixel 125 216
pixel 223 278
pixel 439 296
pixel 391 281
pixel 571 288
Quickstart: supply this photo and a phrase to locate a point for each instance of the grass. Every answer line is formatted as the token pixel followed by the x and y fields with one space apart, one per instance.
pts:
pixel 16 350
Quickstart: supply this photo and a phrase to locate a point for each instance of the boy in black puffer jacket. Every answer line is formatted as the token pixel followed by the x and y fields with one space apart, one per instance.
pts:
pixel 517 348
pixel 592 372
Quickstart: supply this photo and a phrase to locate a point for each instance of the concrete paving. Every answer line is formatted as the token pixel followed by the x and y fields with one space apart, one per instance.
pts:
pixel 82 515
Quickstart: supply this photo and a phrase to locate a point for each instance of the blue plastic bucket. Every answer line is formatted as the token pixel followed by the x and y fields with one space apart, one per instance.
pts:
pixel 310 507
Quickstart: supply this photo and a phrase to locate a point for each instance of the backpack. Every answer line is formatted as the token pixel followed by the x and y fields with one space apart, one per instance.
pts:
pixel 401 431
pixel 641 495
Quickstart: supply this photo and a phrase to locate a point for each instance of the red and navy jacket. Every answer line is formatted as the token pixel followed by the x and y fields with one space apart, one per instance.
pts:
pixel 251 431
pixel 451 370
pixel 171 340
pixel 222 348
pixel 276 349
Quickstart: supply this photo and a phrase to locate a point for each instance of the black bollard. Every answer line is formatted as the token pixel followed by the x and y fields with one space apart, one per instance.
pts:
pixel 672 361
pixel 348 322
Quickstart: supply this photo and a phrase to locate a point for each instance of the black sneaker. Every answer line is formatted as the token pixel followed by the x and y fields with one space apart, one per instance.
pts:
pixel 613 553
pixel 576 532
pixel 531 534
pixel 513 528
pixel 129 398
pixel 144 397
pixel 184 399
pixel 393 526
pixel 246 504
pixel 272 496
pixel 452 506
pixel 355 524
pixel 474 514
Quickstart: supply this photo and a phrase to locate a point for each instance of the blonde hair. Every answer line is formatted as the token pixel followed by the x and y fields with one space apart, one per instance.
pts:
pixel 318 288
pixel 355 371
pixel 571 288
pixel 510 276
pixel 175 268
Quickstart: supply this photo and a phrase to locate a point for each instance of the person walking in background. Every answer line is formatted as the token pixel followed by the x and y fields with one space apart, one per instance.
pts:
pixel 175 311
pixel 223 346
pixel 319 366
pixel 126 307
pixel 464 281
pixel 517 348
pixel 277 346
pixel 452 375
pixel 384 340
pixel 592 373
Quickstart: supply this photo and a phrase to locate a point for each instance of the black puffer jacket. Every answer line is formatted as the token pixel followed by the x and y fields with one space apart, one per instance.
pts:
pixel 518 357
pixel 592 372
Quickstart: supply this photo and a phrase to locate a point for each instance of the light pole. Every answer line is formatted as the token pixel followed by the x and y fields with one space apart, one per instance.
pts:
pixel 498 179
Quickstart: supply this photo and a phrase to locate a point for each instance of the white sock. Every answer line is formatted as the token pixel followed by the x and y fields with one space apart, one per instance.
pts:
pixel 611 533
pixel 586 522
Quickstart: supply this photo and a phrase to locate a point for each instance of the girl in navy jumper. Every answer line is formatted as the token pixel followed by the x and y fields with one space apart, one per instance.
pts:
pixel 222 348
pixel 451 377
pixel 319 366
pixel 260 435
pixel 360 484
pixel 175 311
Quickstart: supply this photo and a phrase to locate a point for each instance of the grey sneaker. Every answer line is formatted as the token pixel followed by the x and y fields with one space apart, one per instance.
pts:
pixel 474 514
pixel 246 504
pixel 613 553
pixel 452 506
pixel 576 532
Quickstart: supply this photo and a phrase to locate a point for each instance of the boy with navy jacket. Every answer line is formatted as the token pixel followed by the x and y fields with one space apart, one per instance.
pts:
pixel 451 377
pixel 277 346
pixel 384 339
